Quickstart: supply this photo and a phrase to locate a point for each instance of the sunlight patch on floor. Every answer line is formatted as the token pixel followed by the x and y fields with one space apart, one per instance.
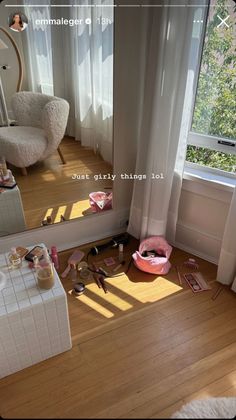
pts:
pixel 60 212
pixel 110 297
pixel 82 170
pixel 78 207
pixel 48 177
pixel 93 305
pixel 140 291
pixel 48 213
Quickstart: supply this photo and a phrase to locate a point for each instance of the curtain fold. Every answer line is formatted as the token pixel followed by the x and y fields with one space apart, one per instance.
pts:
pixel 226 273
pixel 87 65
pixel 38 49
pixel 173 55
pixel 75 61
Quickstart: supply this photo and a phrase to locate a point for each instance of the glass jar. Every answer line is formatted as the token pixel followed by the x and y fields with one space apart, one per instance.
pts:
pixel 44 271
pixel 14 258
pixel 73 273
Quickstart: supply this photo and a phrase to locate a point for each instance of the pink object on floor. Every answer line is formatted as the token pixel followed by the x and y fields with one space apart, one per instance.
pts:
pixel 154 265
pixel 100 201
pixel 75 258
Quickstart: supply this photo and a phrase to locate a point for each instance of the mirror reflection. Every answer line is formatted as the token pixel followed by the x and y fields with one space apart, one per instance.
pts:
pixel 56 113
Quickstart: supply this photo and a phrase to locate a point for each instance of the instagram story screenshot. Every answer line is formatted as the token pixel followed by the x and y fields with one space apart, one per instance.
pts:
pixel 68 69
pixel 117 209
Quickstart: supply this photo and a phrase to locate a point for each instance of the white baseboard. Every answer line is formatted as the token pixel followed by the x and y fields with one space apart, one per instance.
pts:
pixel 195 252
pixel 198 243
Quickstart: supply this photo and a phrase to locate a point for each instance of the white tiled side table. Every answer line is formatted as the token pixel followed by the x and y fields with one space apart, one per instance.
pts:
pixel 34 323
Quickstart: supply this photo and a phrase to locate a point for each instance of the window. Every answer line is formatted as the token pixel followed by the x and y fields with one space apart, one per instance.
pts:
pixel 212 139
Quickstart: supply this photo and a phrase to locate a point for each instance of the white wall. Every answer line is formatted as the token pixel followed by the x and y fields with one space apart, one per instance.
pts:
pixel 202 215
pixel 8 56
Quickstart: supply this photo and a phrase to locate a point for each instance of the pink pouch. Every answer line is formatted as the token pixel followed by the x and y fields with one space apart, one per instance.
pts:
pixel 155 265
pixel 100 201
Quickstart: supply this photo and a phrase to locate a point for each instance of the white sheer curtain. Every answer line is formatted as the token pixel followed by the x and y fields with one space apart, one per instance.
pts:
pixel 226 273
pixel 75 61
pixel 174 48
pixel 87 50
pixel 38 49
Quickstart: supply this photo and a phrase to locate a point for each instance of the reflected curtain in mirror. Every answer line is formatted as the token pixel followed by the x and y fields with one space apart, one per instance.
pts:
pixel 75 61
pixel 38 50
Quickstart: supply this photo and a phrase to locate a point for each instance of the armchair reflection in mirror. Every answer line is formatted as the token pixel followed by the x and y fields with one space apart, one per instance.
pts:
pixel 59 147
pixel 41 123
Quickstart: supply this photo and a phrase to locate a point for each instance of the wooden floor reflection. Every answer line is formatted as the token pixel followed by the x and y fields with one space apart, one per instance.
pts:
pixel 49 190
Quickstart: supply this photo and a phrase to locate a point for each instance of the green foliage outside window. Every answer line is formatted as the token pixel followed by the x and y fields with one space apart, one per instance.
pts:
pixel 215 105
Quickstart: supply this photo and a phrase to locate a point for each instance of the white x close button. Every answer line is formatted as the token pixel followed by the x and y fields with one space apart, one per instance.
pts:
pixel 223 21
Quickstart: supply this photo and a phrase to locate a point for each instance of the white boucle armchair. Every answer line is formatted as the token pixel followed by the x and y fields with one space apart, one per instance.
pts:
pixel 41 123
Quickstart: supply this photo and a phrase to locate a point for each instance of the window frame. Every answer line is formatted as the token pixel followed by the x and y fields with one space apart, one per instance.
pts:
pixel 214 143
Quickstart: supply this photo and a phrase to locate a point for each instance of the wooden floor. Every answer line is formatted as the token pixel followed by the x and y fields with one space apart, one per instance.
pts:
pixel 140 351
pixel 126 293
pixel 49 190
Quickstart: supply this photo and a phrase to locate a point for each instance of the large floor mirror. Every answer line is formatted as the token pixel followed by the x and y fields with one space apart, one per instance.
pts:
pixel 64 52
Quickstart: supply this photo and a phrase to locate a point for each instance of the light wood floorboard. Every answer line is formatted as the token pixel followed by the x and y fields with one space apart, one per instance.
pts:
pixel 131 292
pixel 49 190
pixel 169 347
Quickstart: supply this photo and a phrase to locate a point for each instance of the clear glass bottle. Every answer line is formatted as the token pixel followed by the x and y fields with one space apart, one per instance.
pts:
pixel 14 259
pixel 44 271
pixel 73 273
pixel 121 253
